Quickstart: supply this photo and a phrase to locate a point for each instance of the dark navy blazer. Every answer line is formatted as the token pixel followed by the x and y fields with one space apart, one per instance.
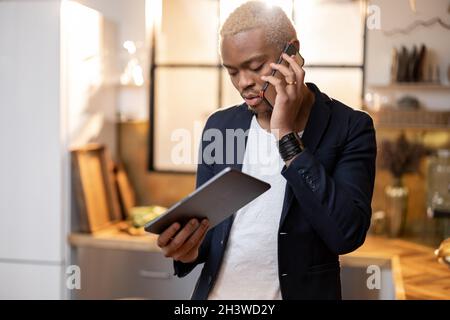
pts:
pixel 327 203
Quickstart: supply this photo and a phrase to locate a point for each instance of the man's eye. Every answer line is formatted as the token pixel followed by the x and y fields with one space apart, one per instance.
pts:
pixel 257 68
pixel 232 73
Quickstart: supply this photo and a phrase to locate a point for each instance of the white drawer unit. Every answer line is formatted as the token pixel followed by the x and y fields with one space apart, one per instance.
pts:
pixel 128 274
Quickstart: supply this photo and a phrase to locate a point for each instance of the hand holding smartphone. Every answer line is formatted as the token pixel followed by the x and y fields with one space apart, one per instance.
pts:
pixel 268 92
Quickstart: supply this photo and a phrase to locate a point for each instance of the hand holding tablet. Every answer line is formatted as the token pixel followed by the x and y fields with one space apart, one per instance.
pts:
pixel 183 227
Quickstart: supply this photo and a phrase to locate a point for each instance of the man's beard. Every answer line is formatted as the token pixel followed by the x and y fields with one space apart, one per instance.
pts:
pixel 253 110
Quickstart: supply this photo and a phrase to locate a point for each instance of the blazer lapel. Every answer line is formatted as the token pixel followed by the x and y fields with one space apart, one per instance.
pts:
pixel 318 120
pixel 314 130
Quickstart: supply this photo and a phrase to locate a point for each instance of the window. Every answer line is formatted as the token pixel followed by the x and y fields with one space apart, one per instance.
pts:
pixel 188 82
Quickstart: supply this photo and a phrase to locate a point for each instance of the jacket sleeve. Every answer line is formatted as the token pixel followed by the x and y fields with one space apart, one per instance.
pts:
pixel 204 173
pixel 338 206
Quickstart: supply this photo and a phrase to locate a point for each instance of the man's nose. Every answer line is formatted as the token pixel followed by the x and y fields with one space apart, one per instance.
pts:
pixel 246 80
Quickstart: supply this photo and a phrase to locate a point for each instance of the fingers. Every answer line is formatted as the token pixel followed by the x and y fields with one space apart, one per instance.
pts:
pixel 278 84
pixel 193 252
pixel 298 70
pixel 180 238
pixel 287 72
pixel 292 84
pixel 194 241
pixel 165 237
pixel 293 74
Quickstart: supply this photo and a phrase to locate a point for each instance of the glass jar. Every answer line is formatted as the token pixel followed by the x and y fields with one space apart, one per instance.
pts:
pixel 439 183
pixel 438 191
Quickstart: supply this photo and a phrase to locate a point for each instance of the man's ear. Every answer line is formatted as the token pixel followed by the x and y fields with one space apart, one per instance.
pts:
pixel 296 43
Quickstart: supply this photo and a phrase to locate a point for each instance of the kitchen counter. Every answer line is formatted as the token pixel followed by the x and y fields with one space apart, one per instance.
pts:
pixel 112 238
pixel 416 272
pixel 116 265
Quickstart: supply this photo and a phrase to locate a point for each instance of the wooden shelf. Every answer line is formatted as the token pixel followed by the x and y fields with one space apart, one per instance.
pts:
pixel 410 86
pixel 422 119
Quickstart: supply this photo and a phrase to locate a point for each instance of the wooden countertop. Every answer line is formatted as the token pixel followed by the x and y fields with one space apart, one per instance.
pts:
pixel 416 271
pixel 112 238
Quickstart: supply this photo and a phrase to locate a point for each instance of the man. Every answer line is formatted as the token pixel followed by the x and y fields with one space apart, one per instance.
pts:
pixel 286 243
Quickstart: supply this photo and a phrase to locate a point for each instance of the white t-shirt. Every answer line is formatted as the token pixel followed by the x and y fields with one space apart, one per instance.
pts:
pixel 249 267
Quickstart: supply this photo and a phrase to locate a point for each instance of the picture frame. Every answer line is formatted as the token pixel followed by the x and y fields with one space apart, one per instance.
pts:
pixel 93 186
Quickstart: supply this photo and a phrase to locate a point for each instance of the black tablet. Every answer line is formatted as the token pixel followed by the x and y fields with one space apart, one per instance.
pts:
pixel 217 199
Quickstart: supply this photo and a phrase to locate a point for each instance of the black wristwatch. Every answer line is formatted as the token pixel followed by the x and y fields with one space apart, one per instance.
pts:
pixel 290 145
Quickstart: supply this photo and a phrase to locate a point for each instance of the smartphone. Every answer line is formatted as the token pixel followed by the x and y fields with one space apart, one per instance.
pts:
pixel 268 92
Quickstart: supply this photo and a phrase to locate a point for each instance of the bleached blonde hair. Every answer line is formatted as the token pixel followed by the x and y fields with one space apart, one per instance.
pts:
pixel 278 28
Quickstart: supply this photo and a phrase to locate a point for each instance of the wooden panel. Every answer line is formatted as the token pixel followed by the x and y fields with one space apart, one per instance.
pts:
pixel 151 188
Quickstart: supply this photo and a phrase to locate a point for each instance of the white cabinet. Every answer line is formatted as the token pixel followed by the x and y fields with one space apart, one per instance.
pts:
pixel 125 274
pixel 32 151
pixel 31 158
pixel 30 281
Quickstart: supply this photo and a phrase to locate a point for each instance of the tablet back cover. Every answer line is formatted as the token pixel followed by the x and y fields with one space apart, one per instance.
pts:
pixel 217 199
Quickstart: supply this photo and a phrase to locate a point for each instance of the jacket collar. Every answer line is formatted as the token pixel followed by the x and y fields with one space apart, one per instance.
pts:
pixel 318 119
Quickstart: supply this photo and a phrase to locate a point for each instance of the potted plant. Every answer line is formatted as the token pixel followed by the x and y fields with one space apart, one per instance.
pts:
pixel 399 157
